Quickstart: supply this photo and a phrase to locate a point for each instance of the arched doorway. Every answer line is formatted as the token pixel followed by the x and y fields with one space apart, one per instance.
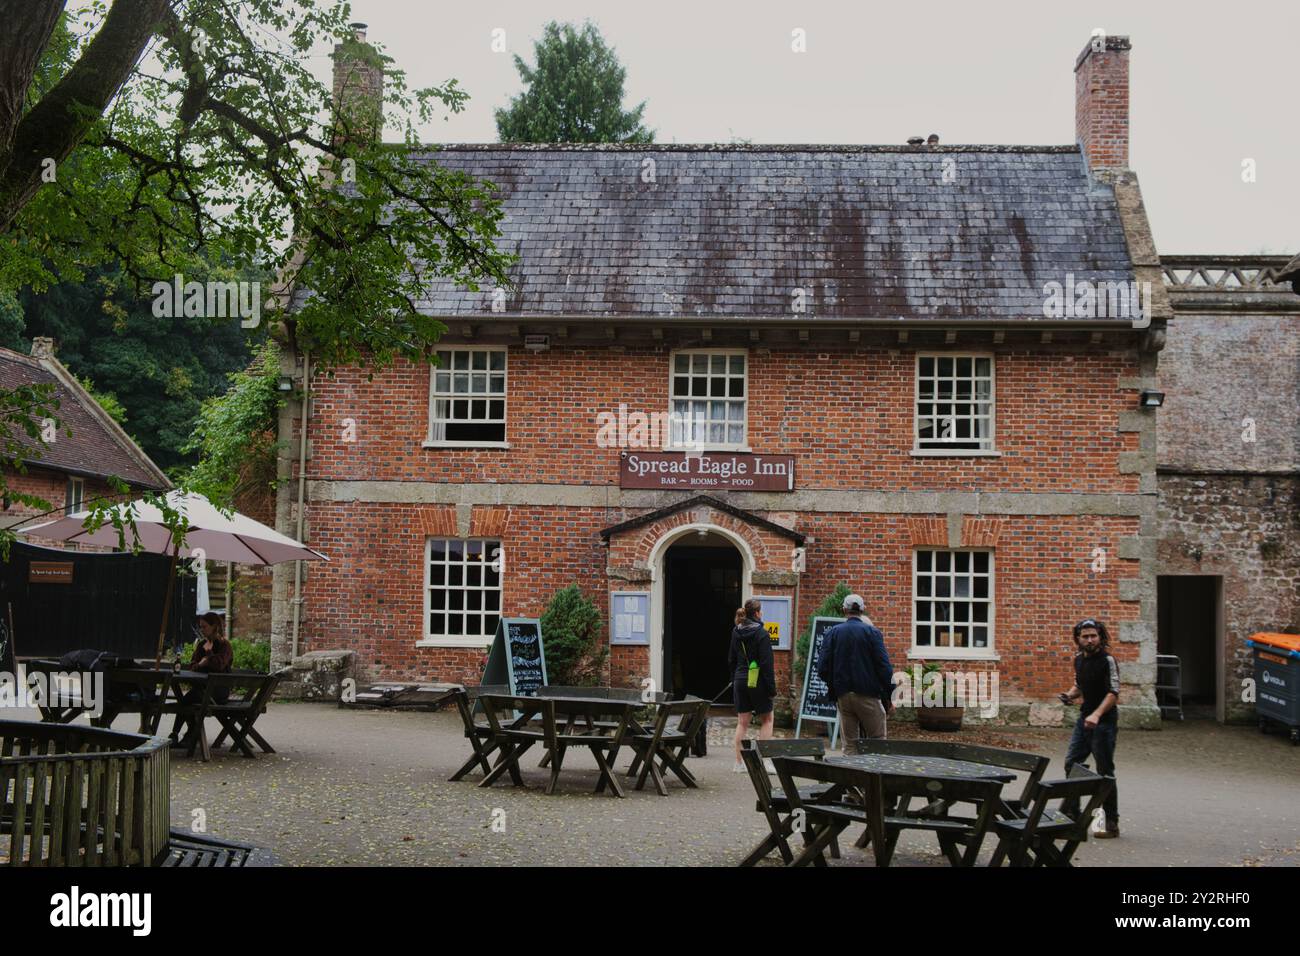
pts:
pixel 704 577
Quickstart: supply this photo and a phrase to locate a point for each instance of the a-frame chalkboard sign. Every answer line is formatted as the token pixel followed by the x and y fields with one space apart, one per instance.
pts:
pixel 517 658
pixel 815 703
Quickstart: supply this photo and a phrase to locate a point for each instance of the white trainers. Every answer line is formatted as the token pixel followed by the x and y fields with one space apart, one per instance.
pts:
pixel 768 765
pixel 738 768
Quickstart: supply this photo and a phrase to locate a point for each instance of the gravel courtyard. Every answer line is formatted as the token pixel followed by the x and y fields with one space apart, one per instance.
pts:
pixel 370 788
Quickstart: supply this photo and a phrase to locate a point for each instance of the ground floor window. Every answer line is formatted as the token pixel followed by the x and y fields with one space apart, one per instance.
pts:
pixel 463 589
pixel 952 600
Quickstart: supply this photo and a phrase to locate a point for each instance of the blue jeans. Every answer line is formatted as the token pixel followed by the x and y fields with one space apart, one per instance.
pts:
pixel 1099 743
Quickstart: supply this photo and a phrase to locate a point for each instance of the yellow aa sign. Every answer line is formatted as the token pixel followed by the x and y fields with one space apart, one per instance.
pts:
pixel 773 631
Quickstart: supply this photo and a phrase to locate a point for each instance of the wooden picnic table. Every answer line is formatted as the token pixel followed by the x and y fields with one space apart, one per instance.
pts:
pixel 537 723
pixel 657 748
pixel 192 696
pixel 921 766
pixel 876 789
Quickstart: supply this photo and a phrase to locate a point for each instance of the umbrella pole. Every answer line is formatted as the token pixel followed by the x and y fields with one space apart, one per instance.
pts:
pixel 167 606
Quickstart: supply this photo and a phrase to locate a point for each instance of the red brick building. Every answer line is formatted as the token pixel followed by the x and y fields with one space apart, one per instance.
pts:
pixel 70 470
pixel 724 371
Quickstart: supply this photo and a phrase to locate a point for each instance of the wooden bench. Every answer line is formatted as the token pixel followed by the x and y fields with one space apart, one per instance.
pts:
pixel 247 695
pixel 194 849
pixel 1031 840
pixel 87 796
pixel 664 748
pixel 774 805
pixel 478 733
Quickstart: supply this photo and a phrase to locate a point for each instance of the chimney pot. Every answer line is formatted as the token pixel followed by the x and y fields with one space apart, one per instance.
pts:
pixel 933 140
pixel 914 141
pixel 42 347
pixel 358 87
pixel 1101 124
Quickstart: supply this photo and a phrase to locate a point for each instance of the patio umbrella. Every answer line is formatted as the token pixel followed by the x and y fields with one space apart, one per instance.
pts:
pixel 212 536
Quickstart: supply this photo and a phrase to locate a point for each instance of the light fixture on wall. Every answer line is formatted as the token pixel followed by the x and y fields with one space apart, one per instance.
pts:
pixel 285 384
pixel 1151 399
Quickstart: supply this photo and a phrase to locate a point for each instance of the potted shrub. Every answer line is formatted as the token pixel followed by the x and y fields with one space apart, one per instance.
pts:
pixel 928 697
pixel 571 630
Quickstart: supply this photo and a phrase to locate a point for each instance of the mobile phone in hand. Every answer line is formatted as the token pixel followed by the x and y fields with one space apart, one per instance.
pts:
pixel 1063 698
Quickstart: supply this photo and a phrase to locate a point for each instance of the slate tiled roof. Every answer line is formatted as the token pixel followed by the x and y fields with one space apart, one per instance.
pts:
pixel 95 447
pixel 950 233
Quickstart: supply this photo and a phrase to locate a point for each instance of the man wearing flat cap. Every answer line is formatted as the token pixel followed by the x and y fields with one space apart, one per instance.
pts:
pixel 856 669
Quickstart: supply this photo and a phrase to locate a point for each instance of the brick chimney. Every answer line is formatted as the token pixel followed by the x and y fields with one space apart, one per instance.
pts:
pixel 358 86
pixel 42 347
pixel 1101 101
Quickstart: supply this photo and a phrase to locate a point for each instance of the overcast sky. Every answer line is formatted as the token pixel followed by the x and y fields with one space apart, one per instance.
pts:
pixel 1212 84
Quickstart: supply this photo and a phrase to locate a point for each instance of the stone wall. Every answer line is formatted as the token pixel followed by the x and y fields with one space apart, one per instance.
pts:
pixel 1247 529
pixel 1232 393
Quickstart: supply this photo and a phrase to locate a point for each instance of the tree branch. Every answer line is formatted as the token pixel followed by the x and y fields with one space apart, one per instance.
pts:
pixel 56 124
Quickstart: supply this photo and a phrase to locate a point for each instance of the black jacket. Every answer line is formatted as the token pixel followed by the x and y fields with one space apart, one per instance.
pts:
pixel 750 642
pixel 1096 676
pixel 854 661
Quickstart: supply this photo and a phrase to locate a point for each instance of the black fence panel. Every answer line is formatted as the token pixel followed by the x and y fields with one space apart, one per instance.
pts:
pixel 76 599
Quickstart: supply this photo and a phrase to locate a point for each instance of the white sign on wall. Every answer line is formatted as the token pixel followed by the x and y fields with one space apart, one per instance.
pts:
pixel 629 613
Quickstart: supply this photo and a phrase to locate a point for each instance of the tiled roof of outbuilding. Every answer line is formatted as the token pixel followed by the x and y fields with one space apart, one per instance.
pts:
pixel 947 233
pixel 97 446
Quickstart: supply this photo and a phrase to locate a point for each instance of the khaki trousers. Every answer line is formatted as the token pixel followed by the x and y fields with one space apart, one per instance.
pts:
pixel 860 716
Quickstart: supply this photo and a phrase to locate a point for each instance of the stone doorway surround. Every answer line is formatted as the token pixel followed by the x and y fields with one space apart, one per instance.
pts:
pixel 635 562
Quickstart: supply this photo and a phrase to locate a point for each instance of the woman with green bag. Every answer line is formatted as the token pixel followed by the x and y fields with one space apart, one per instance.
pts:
pixel 754 682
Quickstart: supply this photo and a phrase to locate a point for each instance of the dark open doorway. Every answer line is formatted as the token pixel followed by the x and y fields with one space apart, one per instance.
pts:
pixel 1189 619
pixel 701 593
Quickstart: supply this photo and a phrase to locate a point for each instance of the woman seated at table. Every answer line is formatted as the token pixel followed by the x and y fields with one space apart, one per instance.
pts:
pixel 212 653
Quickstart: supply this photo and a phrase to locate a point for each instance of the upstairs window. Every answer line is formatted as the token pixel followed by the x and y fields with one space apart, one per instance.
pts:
pixel 708 393
pixel 76 496
pixel 467 397
pixel 954 402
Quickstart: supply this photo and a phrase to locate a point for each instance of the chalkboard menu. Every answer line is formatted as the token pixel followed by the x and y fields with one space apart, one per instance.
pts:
pixel 815 704
pixel 517 657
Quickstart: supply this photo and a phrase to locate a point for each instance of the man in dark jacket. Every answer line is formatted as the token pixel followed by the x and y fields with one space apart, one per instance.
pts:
pixel 1096 685
pixel 856 669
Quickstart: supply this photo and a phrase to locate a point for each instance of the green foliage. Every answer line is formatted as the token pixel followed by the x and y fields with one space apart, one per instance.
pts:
pixel 251 655
pixel 106 400
pixel 208 160
pixel 222 158
pixel 573 95
pixel 160 369
pixel 235 432
pixel 833 606
pixel 571 631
